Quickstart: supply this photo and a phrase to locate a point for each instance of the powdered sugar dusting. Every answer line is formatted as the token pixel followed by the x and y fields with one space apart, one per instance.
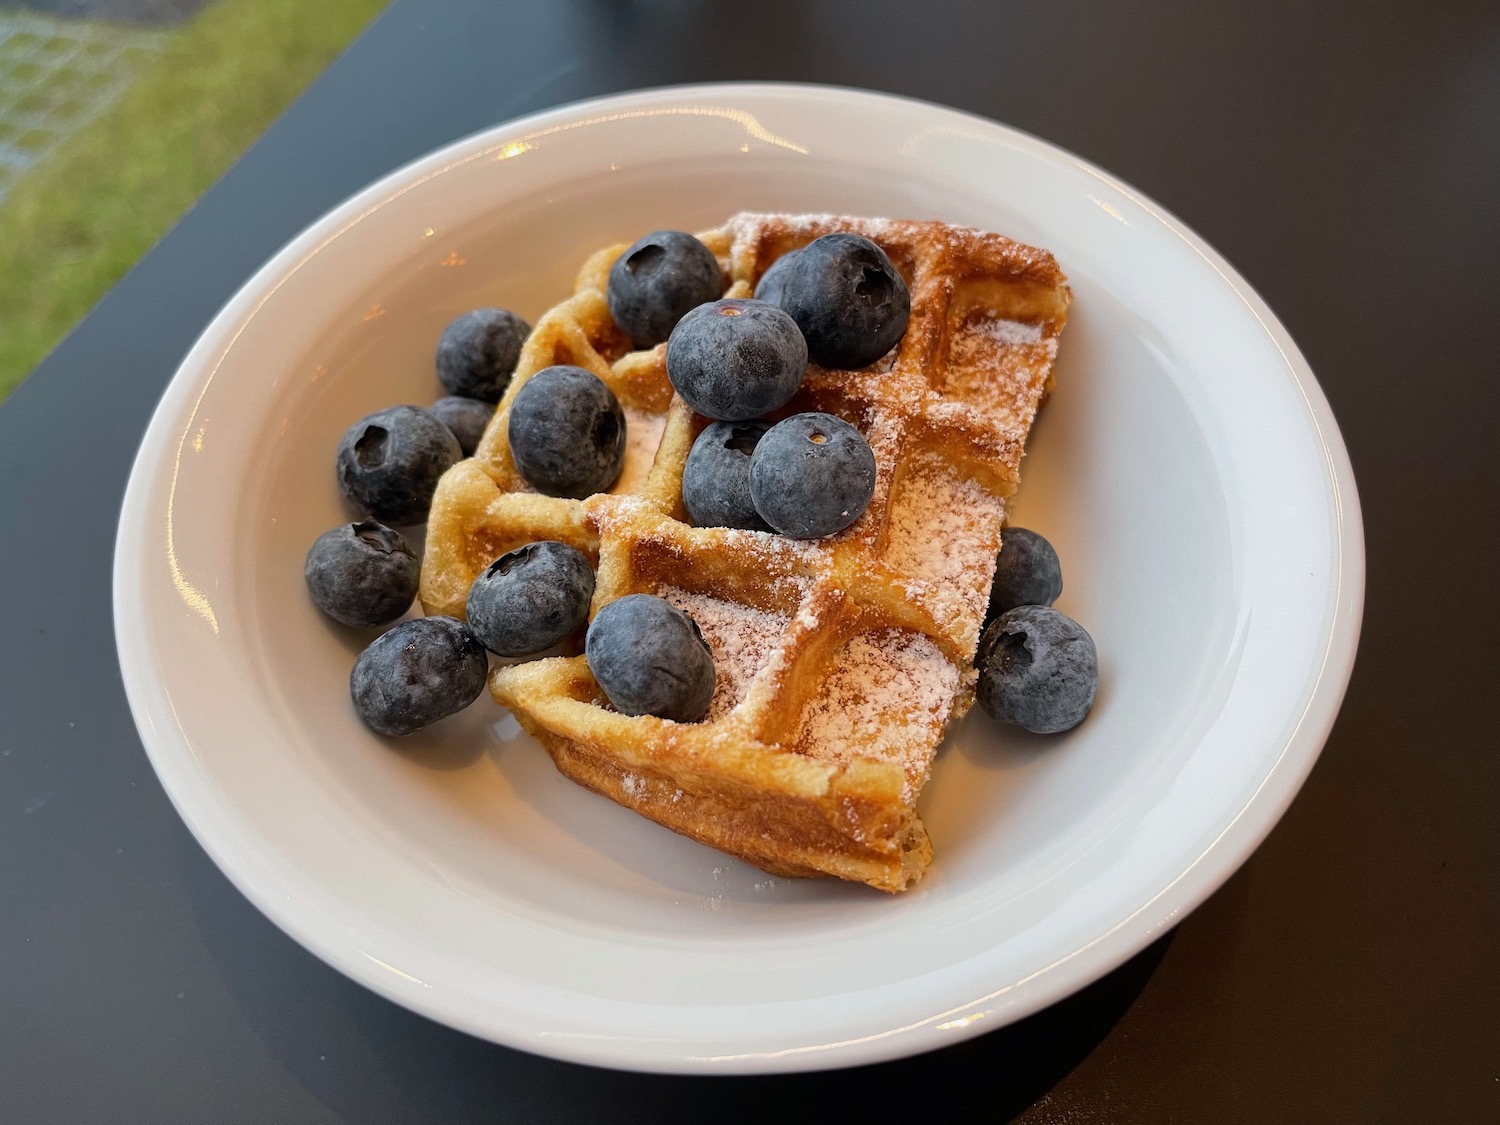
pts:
pixel 643 431
pixel 801 557
pixel 943 537
pixel 807 616
pixel 1006 331
pixel 742 639
pixel 808 553
pixel 888 697
pixel 748 224
pixel 1000 366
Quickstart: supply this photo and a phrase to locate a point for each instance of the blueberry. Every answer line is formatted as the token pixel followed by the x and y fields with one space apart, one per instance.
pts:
pixel 1037 669
pixel 466 417
pixel 650 659
pixel 849 300
pixel 657 280
pixel 477 353
pixel 362 573
pixel 812 475
pixel 419 672
pixel 389 463
pixel 716 478
pixel 1027 572
pixel 531 598
pixel 567 432
pixel 771 283
pixel 736 359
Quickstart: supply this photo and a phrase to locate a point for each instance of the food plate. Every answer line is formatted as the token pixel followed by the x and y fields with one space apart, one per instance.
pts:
pixel 1187 468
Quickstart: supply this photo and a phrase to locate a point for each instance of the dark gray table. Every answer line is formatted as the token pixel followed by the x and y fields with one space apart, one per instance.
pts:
pixel 1344 155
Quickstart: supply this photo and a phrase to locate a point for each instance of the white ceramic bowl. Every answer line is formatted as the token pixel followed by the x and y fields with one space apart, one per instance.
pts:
pixel 1187 469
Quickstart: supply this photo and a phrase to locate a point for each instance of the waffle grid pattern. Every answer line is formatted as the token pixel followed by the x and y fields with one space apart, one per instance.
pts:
pixel 840 661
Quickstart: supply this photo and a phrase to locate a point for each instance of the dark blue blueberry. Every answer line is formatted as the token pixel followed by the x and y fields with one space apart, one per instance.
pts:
pixel 531 598
pixel 1037 669
pixel 657 281
pixel 735 359
pixel 567 432
pixel 466 417
pixel 362 573
pixel 419 672
pixel 769 287
pixel 849 300
pixel 812 475
pixel 477 353
pixel 716 478
pixel 650 659
pixel 1027 572
pixel 389 463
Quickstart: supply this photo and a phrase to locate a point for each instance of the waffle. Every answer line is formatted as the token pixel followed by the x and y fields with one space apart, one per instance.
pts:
pixel 839 661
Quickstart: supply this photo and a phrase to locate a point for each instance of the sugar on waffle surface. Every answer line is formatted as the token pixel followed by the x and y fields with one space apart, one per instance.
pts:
pixel 839 661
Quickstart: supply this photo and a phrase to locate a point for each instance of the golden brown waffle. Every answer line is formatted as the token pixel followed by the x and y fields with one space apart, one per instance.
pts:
pixel 839 661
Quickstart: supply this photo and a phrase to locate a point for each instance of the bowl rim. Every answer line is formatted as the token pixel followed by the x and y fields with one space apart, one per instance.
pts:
pixel 1213 865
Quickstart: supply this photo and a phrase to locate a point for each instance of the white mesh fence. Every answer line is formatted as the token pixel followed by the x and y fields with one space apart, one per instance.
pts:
pixel 55 76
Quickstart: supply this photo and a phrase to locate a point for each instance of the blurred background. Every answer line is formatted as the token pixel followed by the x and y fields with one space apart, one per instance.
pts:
pixel 115 116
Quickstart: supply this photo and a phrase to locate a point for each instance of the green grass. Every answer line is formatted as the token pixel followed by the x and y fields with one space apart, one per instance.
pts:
pixel 76 222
